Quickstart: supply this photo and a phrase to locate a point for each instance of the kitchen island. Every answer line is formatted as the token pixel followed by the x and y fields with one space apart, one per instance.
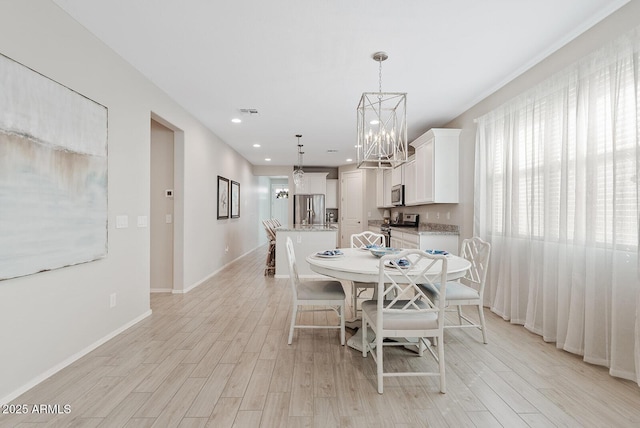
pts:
pixel 307 239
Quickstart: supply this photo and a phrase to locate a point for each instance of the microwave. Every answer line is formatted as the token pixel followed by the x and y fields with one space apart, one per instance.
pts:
pixel 397 195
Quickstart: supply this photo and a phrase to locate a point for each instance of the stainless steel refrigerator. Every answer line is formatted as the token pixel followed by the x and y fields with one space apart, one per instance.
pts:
pixel 308 209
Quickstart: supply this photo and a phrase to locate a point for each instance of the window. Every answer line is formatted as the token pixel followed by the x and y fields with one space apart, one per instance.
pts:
pixel 564 160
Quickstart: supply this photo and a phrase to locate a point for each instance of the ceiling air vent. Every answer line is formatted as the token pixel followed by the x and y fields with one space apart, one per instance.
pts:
pixel 249 111
pixel 332 151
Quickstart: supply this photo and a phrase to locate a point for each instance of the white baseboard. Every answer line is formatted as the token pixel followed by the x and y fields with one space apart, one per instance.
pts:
pixel 211 275
pixel 161 290
pixel 53 370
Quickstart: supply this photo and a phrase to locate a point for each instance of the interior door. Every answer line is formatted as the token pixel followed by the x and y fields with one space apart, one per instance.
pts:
pixel 351 203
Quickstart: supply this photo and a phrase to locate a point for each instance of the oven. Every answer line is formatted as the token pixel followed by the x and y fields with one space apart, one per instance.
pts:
pixel 403 220
pixel 385 230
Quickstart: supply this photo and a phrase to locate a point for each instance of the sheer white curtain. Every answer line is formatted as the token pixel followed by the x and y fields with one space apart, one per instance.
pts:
pixel 557 196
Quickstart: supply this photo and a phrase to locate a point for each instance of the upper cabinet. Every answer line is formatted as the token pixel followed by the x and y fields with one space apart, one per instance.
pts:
pixel 331 200
pixel 397 175
pixel 436 167
pixel 410 187
pixel 313 182
pixel 383 188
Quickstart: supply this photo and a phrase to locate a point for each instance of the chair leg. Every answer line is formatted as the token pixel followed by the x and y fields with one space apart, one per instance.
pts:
pixel 379 367
pixel 342 308
pixel 443 384
pixel 483 327
pixel 364 337
pixel 459 314
pixel 293 321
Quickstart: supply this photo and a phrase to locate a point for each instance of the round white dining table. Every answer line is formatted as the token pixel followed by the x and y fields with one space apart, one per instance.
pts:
pixel 360 265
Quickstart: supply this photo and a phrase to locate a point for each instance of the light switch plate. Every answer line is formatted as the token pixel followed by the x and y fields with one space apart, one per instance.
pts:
pixel 122 221
pixel 142 221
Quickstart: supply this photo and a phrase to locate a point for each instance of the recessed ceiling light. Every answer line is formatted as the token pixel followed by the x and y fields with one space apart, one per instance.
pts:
pixel 374 122
pixel 236 120
pixel 256 145
pixel 349 160
pixel 267 159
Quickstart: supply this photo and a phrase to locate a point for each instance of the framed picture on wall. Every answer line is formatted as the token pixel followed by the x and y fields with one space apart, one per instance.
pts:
pixel 235 199
pixel 223 197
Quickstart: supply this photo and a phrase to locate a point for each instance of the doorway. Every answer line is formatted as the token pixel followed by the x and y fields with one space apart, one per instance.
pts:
pixel 280 200
pixel 161 211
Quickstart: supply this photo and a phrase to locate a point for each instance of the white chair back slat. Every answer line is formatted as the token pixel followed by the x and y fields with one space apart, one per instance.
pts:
pixel 477 252
pixel 362 240
pixel 423 268
pixel 293 269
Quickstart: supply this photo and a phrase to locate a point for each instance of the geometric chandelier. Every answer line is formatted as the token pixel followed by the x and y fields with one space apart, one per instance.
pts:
pixel 382 126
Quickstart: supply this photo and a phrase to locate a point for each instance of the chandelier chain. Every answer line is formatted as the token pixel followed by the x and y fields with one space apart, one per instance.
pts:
pixel 380 79
pixel 380 75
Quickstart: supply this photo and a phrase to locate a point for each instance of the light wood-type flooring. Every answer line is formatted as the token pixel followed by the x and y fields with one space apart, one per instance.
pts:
pixel 218 357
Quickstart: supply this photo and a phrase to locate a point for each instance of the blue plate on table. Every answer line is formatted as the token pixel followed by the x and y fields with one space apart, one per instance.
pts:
pixel 401 263
pixel 437 252
pixel 330 254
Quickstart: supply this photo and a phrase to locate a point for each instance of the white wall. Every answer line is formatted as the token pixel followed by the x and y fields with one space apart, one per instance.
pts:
pixel 51 318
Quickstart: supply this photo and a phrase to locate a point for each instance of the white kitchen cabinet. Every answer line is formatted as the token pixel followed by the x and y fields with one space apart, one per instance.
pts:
pixel 331 200
pixel 313 183
pixel 424 241
pixel 397 175
pixel 410 184
pixel 436 168
pixel 396 242
pixel 404 240
pixel 380 188
pixel 383 188
pixel 387 188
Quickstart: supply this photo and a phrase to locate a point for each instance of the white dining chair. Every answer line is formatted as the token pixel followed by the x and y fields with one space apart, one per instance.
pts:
pixel 329 294
pixel 469 289
pixel 362 240
pixel 403 310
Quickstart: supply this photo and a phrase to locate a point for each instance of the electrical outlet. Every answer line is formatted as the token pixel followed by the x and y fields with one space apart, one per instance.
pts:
pixel 438 215
pixel 427 215
pixel 168 218
pixel 112 300
pixel 226 249
pixel 448 215
pixel 299 239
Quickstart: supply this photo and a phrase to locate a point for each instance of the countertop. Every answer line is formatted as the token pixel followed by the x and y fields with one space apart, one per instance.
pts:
pixel 424 228
pixel 309 228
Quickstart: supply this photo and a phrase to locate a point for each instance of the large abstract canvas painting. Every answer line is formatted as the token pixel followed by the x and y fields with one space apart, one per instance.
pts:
pixel 53 174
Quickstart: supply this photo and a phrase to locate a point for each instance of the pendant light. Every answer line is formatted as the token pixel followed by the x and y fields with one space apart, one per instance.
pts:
pixel 382 126
pixel 298 173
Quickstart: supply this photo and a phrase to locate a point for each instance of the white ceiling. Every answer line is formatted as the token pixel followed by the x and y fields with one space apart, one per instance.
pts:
pixel 304 64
